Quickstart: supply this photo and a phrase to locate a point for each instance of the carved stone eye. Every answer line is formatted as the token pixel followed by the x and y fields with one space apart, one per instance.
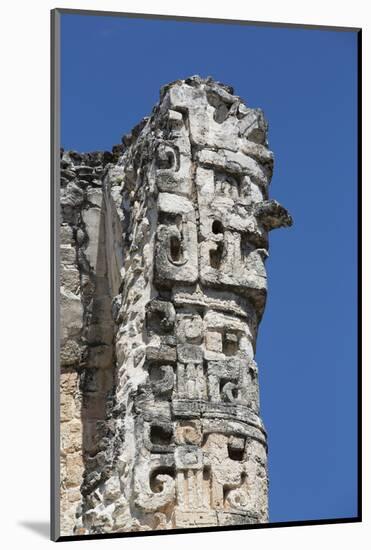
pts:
pixel 160 435
pixel 165 158
pixel 217 227
pixel 159 477
pixel 176 249
pixel 236 448
pixel 176 252
pixel 229 391
pixel 230 343
pixel 161 378
pixel 216 256
pixel 237 498
pixel 160 316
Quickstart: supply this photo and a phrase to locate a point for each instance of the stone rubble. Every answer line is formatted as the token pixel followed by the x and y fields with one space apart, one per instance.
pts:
pixel 163 285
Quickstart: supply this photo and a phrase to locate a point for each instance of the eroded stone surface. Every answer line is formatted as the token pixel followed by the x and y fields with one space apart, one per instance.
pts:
pixel 163 244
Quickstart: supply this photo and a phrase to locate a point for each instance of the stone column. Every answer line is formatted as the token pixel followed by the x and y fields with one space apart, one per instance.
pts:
pixel 183 444
pixel 88 282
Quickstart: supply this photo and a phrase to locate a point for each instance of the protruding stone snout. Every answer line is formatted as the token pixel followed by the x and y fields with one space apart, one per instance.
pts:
pixel 272 215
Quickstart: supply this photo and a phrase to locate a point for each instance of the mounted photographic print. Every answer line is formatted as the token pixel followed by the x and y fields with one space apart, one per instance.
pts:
pixel 185 394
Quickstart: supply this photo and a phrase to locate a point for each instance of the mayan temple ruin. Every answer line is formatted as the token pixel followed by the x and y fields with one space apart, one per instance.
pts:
pixel 163 243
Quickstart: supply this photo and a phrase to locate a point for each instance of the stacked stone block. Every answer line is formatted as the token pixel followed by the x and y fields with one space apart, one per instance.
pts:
pixel 185 215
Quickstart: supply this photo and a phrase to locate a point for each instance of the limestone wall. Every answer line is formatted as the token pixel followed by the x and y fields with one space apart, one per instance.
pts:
pixel 163 288
pixel 89 279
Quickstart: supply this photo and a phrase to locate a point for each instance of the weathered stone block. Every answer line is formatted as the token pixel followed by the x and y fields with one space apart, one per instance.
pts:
pixel 163 285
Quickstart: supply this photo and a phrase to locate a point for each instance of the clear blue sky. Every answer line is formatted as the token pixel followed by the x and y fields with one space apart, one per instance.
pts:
pixel 305 82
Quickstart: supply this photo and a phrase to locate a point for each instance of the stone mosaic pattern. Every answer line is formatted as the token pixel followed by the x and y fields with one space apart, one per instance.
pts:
pixel 163 286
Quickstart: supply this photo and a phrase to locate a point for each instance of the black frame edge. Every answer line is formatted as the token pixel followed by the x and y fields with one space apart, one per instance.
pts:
pixel 195 19
pixel 338 521
pixel 359 265
pixel 54 284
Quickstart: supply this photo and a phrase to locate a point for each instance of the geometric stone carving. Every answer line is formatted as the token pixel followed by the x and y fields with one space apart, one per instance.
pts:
pixel 183 443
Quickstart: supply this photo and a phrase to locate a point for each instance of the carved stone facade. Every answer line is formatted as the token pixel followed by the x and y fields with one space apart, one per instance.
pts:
pixel 163 247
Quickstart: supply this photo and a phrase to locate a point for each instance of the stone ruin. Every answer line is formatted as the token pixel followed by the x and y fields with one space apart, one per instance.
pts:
pixel 163 285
